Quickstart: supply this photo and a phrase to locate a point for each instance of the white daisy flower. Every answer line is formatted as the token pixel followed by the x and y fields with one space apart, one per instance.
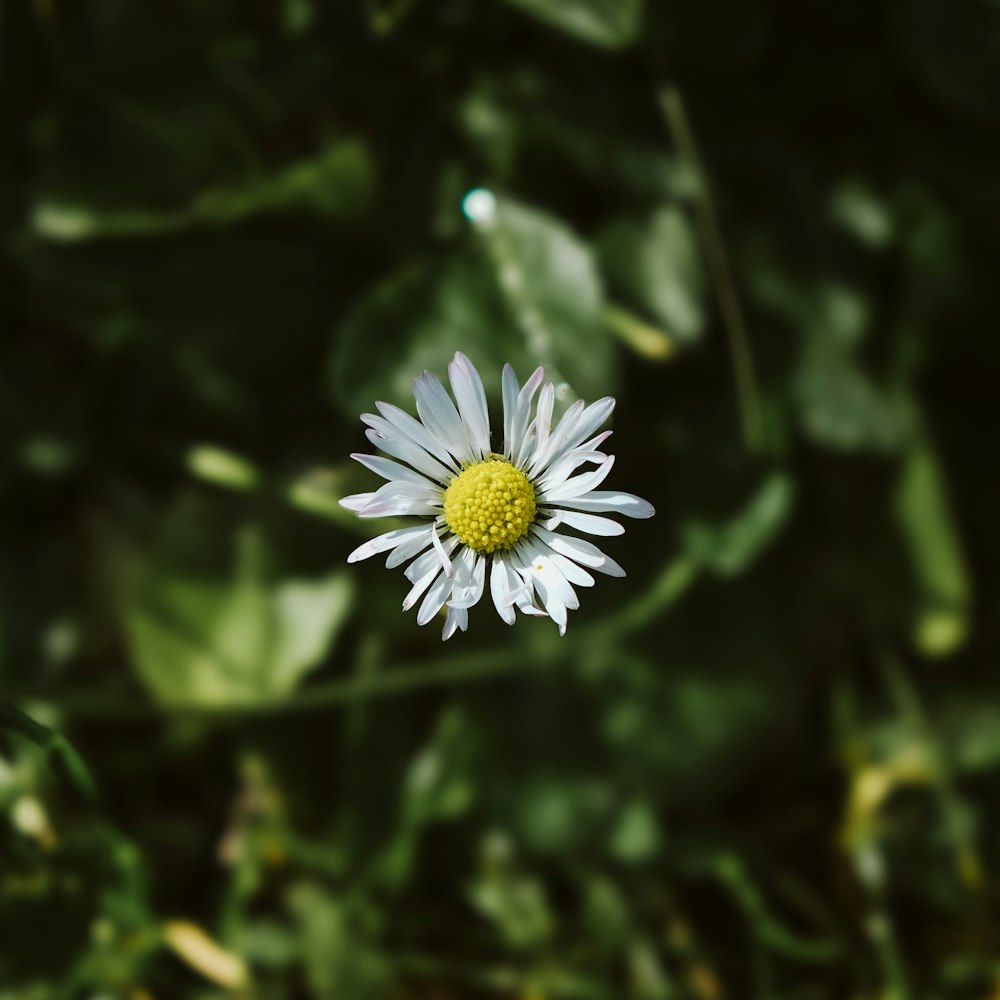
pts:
pixel 482 513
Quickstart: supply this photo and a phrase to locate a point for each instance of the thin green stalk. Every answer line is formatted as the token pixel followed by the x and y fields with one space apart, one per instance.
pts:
pixel 672 583
pixel 751 414
pixel 62 756
pixel 674 580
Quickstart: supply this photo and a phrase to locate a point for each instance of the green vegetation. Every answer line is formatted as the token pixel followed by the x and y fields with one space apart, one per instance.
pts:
pixel 764 765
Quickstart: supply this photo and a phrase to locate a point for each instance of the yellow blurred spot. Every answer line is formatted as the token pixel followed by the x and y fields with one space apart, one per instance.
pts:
pixel 704 983
pixel 29 817
pixel 940 632
pixel 193 946
pixel 930 531
pixel 645 339
pixel 64 223
pixel 273 851
pixel 224 468
pixel 318 492
pixel 872 784
pixel 970 870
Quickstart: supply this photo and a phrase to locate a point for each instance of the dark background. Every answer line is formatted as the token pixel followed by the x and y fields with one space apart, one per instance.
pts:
pixel 764 765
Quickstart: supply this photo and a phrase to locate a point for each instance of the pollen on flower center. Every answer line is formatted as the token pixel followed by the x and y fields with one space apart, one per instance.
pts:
pixel 489 505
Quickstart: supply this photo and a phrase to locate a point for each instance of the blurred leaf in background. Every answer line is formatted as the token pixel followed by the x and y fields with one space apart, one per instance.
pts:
pixel 526 290
pixel 231 643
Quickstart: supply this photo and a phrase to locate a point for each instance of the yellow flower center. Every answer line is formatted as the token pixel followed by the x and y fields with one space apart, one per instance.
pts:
pixel 489 505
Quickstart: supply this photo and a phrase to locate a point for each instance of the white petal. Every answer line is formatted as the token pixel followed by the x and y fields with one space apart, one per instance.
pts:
pixel 390 540
pixel 458 618
pixel 471 398
pixel 524 597
pixel 405 489
pixel 428 560
pixel 579 485
pixel 440 417
pixel 462 576
pixel 394 443
pixel 610 500
pixel 356 501
pixel 560 471
pixel 434 599
pixel 416 432
pixel 509 388
pixel 520 591
pixel 401 507
pixel 542 423
pixel 442 555
pixel 560 434
pixel 524 600
pixel 550 578
pixel 551 586
pixel 501 584
pixel 478 583
pixel 411 547
pixel 401 498
pixel 421 566
pixel 591 524
pixel 520 444
pixel 388 469
pixel 422 572
pixel 421 583
pixel 469 580
pixel 595 442
pixel 554 521
pixel 580 551
pixel 574 573
pixel 591 418
pixel 526 448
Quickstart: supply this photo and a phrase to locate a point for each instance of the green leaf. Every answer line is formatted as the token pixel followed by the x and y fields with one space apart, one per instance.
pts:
pixel 654 262
pixel 839 403
pixel 219 643
pixel 862 213
pixel 925 519
pixel 729 548
pixel 605 913
pixel 512 899
pixel 525 289
pixel 970 735
pixel 612 24
pixel 636 836
pixel 553 292
pixel 645 969
pixel 340 959
pixel 438 786
pixel 556 811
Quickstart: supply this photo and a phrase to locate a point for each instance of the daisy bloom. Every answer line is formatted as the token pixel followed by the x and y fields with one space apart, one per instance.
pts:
pixel 479 512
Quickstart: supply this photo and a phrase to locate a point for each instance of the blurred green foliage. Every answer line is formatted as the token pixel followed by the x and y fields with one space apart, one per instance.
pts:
pixel 766 764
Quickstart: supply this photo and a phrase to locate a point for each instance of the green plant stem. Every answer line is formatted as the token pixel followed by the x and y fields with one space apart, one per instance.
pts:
pixel 674 580
pixel 62 756
pixel 672 583
pixel 719 271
